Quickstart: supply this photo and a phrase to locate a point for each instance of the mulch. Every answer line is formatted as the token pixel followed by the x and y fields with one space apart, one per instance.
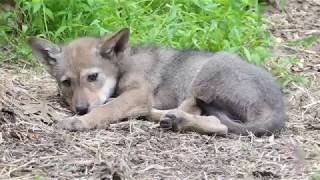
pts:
pixel 30 147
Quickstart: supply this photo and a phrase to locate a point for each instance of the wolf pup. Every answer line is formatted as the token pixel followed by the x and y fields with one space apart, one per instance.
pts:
pixel 183 90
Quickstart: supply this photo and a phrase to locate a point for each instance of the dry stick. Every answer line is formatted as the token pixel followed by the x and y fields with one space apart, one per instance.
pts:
pixel 298 49
pixel 307 32
pixel 304 91
pixel 24 165
pixel 2 171
pixel 154 166
pixel 311 104
pixel 7 59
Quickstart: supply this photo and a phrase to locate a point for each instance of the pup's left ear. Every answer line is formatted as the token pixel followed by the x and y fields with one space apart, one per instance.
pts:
pixel 46 52
pixel 115 44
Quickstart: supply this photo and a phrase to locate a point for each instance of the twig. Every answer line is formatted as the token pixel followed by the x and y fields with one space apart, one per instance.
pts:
pixel 310 105
pixel 298 49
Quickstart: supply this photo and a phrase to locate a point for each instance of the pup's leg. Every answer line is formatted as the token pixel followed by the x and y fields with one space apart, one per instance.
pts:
pixel 190 106
pixel 187 105
pixel 178 120
pixel 187 118
pixel 130 104
pixel 156 114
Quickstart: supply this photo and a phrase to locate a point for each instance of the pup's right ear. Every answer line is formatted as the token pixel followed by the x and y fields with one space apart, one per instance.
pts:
pixel 46 52
pixel 116 44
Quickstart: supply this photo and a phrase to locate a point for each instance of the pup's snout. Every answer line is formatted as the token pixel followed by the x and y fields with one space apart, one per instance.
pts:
pixel 81 110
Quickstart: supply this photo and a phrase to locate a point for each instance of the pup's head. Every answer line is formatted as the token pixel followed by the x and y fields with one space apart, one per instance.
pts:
pixel 86 69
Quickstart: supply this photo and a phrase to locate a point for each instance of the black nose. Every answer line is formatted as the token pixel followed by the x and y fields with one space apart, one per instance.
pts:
pixel 82 110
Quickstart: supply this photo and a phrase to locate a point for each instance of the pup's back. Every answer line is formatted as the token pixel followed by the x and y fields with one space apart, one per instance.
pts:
pixel 243 96
pixel 235 90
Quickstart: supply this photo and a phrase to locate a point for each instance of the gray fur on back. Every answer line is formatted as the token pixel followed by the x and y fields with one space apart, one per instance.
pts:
pixel 244 97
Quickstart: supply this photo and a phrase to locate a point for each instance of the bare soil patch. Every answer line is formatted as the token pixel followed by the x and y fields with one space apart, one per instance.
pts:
pixel 30 147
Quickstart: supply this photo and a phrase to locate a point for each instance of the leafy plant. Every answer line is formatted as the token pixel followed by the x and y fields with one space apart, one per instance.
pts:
pixel 281 69
pixel 306 42
pixel 315 175
pixel 210 25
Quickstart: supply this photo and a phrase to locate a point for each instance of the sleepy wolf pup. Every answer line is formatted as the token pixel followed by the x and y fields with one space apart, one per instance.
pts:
pixel 183 90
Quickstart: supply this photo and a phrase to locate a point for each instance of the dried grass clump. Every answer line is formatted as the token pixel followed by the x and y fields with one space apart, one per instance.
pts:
pixel 30 147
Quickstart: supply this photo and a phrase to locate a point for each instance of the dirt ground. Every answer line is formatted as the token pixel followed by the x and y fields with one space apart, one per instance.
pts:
pixel 30 148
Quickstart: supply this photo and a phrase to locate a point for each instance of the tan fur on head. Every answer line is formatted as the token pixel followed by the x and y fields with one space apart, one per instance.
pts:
pixel 85 69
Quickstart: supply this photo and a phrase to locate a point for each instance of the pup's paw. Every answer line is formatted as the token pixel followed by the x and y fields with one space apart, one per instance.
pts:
pixel 71 124
pixel 173 120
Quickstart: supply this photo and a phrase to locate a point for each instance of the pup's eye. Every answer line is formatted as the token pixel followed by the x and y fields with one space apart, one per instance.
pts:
pixel 93 77
pixel 66 83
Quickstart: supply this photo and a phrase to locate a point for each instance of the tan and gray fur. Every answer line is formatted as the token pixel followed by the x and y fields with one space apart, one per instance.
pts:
pixel 107 81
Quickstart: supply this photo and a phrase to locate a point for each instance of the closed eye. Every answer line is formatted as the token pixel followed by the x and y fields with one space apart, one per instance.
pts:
pixel 92 77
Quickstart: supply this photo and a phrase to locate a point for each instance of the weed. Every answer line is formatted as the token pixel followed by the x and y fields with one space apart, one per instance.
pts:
pixel 315 175
pixel 281 70
pixel 306 42
pixel 210 25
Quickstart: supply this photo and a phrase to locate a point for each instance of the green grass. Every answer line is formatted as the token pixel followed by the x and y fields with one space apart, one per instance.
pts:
pixel 315 175
pixel 212 25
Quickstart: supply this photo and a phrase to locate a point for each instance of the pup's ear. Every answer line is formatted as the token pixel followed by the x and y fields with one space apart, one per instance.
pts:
pixel 116 44
pixel 46 52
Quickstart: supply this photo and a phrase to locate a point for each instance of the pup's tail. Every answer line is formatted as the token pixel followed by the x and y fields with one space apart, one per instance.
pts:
pixel 267 124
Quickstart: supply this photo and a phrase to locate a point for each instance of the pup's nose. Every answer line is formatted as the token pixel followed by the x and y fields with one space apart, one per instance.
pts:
pixel 81 110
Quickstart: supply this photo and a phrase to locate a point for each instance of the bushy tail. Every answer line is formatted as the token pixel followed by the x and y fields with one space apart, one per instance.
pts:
pixel 266 125
pixel 259 127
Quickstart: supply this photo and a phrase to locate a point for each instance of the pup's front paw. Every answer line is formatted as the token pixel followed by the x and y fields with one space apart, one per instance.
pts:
pixel 72 124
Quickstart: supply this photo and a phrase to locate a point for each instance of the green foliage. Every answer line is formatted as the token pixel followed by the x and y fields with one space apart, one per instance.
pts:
pixel 282 4
pixel 210 25
pixel 286 76
pixel 315 175
pixel 306 42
